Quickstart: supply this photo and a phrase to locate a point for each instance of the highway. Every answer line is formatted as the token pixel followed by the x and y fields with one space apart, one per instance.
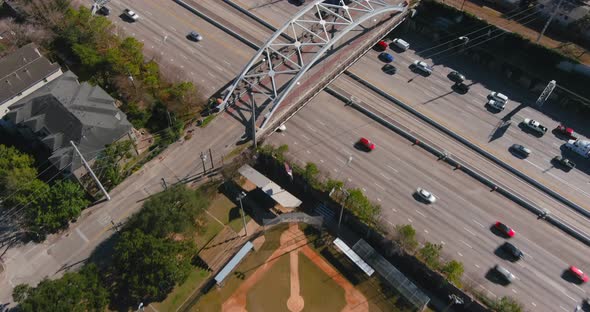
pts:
pixel 460 219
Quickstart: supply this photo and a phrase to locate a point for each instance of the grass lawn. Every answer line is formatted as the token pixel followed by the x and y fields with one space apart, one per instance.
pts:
pixel 227 212
pixel 318 290
pixel 273 290
pixel 213 227
pixel 180 293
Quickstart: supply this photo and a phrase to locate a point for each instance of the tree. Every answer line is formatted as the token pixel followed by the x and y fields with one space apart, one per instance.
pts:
pixel 406 237
pixel 454 271
pixel 60 204
pixel 108 162
pixel 430 254
pixel 507 304
pixel 147 267
pixel 310 173
pixel 172 211
pixel 362 207
pixel 75 291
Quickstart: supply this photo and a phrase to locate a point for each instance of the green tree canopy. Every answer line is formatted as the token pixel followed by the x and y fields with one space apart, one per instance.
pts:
pixel 406 237
pixel 107 164
pixel 430 254
pixel 362 207
pixel 172 211
pixel 75 291
pixel 454 271
pixel 507 304
pixel 147 267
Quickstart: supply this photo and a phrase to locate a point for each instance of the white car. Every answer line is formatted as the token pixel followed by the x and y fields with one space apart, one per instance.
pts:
pixel 423 67
pixel 130 14
pixel 282 128
pixel 426 195
pixel 497 100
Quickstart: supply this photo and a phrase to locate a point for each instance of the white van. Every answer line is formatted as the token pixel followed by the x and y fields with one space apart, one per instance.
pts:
pixel 400 43
pixel 497 100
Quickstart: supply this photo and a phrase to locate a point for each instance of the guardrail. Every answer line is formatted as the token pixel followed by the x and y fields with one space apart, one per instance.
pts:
pixel 460 165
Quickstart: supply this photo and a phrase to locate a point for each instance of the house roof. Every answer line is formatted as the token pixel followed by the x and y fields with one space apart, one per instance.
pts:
pixel 22 69
pixel 278 194
pixel 65 110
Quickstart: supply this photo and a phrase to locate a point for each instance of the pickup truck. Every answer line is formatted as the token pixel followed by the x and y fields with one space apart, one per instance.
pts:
pixel 131 15
pixel 535 126
pixel 566 132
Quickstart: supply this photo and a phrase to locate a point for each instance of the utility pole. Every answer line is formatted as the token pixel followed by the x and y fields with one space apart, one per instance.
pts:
pixel 549 21
pixel 203 158
pixel 546 93
pixel 106 194
pixel 169 119
pixel 342 207
pixel 240 197
pixel 211 159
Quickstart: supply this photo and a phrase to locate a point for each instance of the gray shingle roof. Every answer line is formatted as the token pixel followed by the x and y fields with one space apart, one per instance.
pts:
pixel 22 69
pixel 65 110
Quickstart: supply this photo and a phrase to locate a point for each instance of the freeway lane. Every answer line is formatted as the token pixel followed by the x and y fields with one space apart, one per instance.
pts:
pixel 324 132
pixel 467 116
pixel 399 116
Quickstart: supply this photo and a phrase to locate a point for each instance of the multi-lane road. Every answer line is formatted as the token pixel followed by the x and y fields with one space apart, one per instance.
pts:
pixel 324 133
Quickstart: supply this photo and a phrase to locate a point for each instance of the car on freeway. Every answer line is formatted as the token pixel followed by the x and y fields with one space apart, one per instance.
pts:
pixel 282 128
pixel 367 144
pixel 381 45
pixel 497 100
pixel 195 36
pixel 104 11
pixel 389 69
pixel 386 57
pixel 460 88
pixel 504 229
pixel 581 276
pixel 400 43
pixel 426 195
pixel 456 77
pixel 513 251
pixel 566 132
pixel 521 150
pixel 564 162
pixel 422 66
pixel 131 15
pixel 504 273
pixel 535 126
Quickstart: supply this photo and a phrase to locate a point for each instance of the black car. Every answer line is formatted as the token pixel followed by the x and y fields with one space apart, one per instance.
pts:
pixel 521 150
pixel 389 69
pixel 513 251
pixel 104 11
pixel 566 163
pixel 461 87
pixel 456 77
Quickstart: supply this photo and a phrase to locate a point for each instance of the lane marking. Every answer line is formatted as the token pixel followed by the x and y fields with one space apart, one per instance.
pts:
pixel 410 220
pixel 84 238
pixel 226 62
pixel 534 304
pixel 364 190
pixel 321 123
pixel 563 308
pixel 468 231
pixel 379 186
pixel 477 223
pixel 379 199
pixel 426 231
pixel 514 291
pixel 305 137
pixel 322 161
pixel 566 294
pixel 174 29
pixel 394 210
pixel 420 213
pixel 386 177
pixel 460 254
pixel 462 241
pixel 394 170
pixel 477 266
pixel 442 242
pixel 308 151
pixel 312 129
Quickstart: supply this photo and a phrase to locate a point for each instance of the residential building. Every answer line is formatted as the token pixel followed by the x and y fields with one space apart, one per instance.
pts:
pixel 569 10
pixel 65 111
pixel 23 72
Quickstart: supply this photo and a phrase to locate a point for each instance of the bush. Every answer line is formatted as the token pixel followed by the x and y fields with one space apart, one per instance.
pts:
pixel 406 238
pixel 454 271
pixel 430 254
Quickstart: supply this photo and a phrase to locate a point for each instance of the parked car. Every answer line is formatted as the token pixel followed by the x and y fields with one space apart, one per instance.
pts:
pixel 381 45
pixel 579 274
pixel 386 57
pixel 535 126
pixel 504 273
pixel 131 15
pixel 400 43
pixel 366 143
pixel 566 163
pixel 456 76
pixel 504 229
pixel 282 128
pixel 423 67
pixel 521 150
pixel 513 251
pixel 566 132
pixel 426 195
pixel 193 35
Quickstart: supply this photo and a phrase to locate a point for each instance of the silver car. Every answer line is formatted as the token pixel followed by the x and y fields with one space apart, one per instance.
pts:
pixel 193 35
pixel 426 195
pixel 423 67
pixel 504 273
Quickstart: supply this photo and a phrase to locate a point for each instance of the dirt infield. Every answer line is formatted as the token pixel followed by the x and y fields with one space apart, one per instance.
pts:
pixel 293 241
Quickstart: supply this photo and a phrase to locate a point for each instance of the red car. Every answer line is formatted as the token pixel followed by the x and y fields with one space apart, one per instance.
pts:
pixel 367 144
pixel 504 229
pixel 579 274
pixel 566 132
pixel 382 45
